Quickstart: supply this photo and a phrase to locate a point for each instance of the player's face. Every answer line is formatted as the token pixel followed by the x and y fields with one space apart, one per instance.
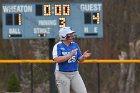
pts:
pixel 70 37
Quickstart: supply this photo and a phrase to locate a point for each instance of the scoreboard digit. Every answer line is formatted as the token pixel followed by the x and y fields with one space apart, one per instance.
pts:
pixel 43 20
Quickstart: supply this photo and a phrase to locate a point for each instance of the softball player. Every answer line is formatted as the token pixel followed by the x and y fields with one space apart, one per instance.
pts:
pixel 66 55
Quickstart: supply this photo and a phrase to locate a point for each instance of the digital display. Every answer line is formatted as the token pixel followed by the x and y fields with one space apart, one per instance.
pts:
pixel 17 19
pixel 96 18
pixel 87 18
pixel 62 22
pixel 44 19
pixel 38 10
pixel 9 19
pixel 47 10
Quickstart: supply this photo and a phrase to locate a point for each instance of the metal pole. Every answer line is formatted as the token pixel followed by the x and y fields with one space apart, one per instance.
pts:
pixel 53 88
pixel 98 78
pixel 31 69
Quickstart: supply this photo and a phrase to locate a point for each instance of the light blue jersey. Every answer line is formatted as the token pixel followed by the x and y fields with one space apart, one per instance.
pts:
pixel 60 49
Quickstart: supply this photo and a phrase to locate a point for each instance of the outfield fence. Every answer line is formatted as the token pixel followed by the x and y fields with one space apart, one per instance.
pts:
pixel 86 61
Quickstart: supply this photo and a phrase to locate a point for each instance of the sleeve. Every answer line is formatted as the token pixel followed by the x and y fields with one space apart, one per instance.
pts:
pixel 56 51
pixel 79 53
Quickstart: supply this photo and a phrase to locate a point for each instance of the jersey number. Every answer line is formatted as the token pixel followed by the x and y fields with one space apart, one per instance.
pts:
pixel 72 59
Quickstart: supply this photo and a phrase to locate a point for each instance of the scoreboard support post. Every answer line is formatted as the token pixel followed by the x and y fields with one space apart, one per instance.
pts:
pixel 53 88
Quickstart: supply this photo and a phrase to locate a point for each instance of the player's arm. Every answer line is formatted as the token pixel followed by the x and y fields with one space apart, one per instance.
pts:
pixel 81 59
pixel 85 55
pixel 65 58
pixel 62 58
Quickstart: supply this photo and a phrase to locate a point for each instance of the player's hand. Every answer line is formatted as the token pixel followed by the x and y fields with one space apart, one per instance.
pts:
pixel 73 51
pixel 86 54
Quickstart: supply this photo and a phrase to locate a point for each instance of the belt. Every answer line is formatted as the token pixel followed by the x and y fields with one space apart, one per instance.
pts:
pixel 69 71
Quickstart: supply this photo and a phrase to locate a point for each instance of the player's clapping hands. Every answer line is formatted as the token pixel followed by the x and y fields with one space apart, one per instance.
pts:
pixel 87 54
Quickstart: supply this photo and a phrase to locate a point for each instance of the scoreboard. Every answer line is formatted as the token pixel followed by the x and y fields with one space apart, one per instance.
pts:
pixel 44 19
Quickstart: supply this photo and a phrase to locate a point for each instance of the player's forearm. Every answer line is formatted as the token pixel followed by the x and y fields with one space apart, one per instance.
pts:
pixel 81 59
pixel 62 58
